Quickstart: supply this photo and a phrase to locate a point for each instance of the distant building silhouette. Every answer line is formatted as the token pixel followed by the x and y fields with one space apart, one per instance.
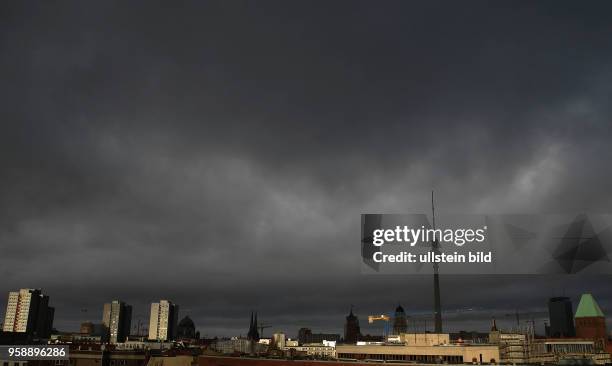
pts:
pixel 87 328
pixel 352 332
pixel 28 311
pixel 163 321
pixel 371 338
pixel 305 336
pixel 590 320
pixel 253 334
pixel 117 320
pixel 399 321
pixel 186 329
pixel 561 317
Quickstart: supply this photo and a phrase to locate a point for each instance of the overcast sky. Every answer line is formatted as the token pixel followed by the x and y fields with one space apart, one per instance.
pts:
pixel 219 154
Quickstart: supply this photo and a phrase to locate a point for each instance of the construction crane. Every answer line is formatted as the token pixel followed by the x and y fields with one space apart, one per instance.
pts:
pixel 261 329
pixel 373 318
pixel 381 317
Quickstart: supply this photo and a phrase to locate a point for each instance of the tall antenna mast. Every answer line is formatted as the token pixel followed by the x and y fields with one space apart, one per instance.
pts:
pixel 433 212
pixel 436 250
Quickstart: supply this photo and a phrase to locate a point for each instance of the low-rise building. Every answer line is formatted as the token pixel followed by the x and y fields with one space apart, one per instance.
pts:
pixel 570 350
pixel 227 346
pixel 143 345
pixel 238 345
pixel 291 343
pixel 425 339
pixel 178 360
pixel 305 335
pixel 13 363
pixel 421 353
pixel 513 347
pixel 315 350
pixel 75 338
pixel 517 348
pixel 98 357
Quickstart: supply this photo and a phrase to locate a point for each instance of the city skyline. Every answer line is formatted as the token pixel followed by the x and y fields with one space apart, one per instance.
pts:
pixel 118 327
pixel 578 336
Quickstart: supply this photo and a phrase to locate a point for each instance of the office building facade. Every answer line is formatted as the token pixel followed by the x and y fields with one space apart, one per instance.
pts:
pixel 117 320
pixel 561 317
pixel 163 321
pixel 28 311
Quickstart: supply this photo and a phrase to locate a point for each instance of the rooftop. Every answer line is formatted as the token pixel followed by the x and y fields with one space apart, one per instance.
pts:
pixel 588 307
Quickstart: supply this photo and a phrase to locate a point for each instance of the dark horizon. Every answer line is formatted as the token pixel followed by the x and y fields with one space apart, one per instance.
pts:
pixel 461 318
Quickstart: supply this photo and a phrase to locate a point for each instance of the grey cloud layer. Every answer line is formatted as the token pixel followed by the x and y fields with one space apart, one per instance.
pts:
pixel 220 154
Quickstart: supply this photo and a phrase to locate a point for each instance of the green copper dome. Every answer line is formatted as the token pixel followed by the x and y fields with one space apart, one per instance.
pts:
pixel 588 307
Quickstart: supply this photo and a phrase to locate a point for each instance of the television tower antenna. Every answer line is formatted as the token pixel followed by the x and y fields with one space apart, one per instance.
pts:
pixel 435 246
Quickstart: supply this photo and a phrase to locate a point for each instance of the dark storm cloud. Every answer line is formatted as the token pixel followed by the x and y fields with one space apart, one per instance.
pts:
pixel 219 153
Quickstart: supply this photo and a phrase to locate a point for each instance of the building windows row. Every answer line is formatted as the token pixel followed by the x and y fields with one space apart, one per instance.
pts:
pixel 392 357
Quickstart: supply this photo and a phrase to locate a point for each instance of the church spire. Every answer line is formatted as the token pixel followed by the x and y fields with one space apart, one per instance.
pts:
pixel 253 332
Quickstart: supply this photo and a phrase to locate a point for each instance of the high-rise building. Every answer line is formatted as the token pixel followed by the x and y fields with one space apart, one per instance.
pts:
pixel 590 320
pixel 163 321
pixel 399 321
pixel 28 311
pixel 352 332
pixel 117 319
pixel 561 317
